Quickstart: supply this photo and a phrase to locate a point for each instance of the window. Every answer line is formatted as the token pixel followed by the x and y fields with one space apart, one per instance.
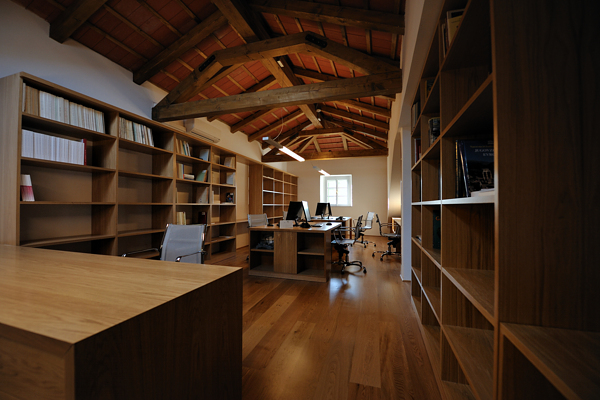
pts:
pixel 336 190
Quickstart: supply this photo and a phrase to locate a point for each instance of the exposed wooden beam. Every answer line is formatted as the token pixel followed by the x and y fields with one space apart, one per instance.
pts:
pixel 357 142
pixel 241 20
pixel 290 133
pixel 320 77
pixel 359 128
pixel 337 15
pixel 355 117
pixel 249 120
pixel 359 105
pixel 180 46
pixel 265 131
pixel 323 131
pixel 357 137
pixel 327 155
pixel 306 94
pixel 72 18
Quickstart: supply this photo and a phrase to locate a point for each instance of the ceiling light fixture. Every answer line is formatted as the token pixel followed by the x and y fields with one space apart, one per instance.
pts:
pixel 282 148
pixel 321 171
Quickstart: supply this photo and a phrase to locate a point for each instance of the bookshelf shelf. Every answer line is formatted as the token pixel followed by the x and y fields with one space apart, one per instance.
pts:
pixel 139 232
pixel 515 282
pixel 47 125
pixel 64 166
pixel 271 191
pixel 65 240
pixel 142 148
pixel 139 175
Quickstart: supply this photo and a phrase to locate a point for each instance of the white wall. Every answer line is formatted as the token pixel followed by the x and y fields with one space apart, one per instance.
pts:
pixel 369 184
pixel 25 46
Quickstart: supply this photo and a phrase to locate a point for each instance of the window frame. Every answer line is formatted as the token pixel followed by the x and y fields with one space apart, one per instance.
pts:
pixel 336 179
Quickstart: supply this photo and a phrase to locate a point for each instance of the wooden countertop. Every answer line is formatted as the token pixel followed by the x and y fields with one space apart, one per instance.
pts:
pixel 323 228
pixel 70 296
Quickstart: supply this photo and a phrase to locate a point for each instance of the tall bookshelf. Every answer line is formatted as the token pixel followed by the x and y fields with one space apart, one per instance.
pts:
pixel 127 192
pixel 505 302
pixel 271 191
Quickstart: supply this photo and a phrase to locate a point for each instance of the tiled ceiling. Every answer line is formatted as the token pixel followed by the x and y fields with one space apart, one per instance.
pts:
pixel 170 43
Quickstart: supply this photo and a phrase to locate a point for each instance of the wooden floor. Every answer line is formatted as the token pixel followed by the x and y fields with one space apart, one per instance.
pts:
pixel 354 337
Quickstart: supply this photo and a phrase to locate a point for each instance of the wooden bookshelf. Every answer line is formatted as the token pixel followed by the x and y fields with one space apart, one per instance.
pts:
pixel 506 302
pixel 271 191
pixel 127 192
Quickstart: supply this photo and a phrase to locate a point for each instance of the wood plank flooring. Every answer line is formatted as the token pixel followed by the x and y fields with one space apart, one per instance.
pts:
pixel 354 337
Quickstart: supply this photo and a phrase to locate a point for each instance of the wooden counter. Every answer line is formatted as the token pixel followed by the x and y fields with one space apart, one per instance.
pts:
pixel 76 325
pixel 298 253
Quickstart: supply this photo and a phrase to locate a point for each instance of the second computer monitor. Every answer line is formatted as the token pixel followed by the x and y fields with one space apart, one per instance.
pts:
pixel 323 209
pixel 295 210
pixel 306 210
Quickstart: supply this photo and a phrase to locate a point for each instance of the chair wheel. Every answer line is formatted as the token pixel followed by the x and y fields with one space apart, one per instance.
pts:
pixel 364 270
pixel 374 245
pixel 381 259
pixel 365 246
pixel 373 255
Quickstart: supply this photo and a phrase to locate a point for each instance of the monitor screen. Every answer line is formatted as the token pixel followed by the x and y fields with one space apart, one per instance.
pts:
pixel 294 210
pixel 323 209
pixel 306 210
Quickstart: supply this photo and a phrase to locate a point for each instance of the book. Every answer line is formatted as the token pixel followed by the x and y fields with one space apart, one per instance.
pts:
pixel 453 19
pixel 26 188
pixel 228 162
pixel 189 176
pixel 201 177
pixel 181 218
pixel 417 149
pixel 204 154
pixel 433 129
pixel 133 131
pixel 53 148
pixel 477 162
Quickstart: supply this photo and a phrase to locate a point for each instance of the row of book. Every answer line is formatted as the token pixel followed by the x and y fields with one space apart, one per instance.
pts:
pixel 199 177
pixel 135 132
pixel 415 111
pixel 474 167
pixel 449 28
pixel 46 105
pixel 183 147
pixel 181 218
pixel 53 148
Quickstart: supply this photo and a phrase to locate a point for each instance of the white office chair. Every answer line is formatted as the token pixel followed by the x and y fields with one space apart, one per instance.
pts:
pixel 368 225
pixel 257 220
pixel 181 243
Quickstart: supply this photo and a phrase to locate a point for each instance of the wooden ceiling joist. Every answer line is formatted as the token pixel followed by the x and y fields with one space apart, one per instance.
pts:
pixel 72 18
pixel 360 138
pixel 322 132
pixel 289 133
pixel 249 120
pixel 265 51
pixel 359 105
pixel 332 14
pixel 270 128
pixel 358 128
pixel 180 46
pixel 371 85
pixel 355 117
pixel 328 155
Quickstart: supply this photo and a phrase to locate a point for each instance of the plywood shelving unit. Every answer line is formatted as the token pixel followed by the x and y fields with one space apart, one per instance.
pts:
pixel 505 300
pixel 271 191
pixel 127 192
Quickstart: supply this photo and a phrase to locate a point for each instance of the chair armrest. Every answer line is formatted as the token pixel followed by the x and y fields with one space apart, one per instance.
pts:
pixel 178 259
pixel 138 252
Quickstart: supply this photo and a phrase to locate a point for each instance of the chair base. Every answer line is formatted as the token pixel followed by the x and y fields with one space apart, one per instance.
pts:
pixel 345 264
pixel 389 251
pixel 365 242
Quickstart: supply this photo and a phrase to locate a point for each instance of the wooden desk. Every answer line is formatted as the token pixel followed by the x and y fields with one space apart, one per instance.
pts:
pixel 298 253
pixel 397 224
pixel 81 326
pixel 345 221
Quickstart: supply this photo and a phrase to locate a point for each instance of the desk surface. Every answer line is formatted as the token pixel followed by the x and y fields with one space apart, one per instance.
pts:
pixel 323 228
pixel 331 219
pixel 71 296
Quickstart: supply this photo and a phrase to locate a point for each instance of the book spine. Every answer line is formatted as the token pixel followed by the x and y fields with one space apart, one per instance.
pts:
pixel 26 188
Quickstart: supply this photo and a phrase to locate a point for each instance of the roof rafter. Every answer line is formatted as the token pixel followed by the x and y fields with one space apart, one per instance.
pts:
pixel 72 18
pixel 355 117
pixel 180 46
pixel 370 85
pixel 327 155
pixel 359 128
pixel 346 16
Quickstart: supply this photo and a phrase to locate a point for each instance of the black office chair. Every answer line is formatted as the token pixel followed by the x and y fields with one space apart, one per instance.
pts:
pixel 394 238
pixel 368 225
pixel 180 243
pixel 341 245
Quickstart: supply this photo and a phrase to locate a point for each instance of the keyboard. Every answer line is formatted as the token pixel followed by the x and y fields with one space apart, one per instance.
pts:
pixel 316 225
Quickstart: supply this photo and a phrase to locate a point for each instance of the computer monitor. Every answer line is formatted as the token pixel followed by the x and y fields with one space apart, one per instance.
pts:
pixel 323 209
pixel 295 210
pixel 306 210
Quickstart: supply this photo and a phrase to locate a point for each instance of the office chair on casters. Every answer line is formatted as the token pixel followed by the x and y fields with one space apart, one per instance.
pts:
pixel 394 238
pixel 180 243
pixel 341 245
pixel 368 225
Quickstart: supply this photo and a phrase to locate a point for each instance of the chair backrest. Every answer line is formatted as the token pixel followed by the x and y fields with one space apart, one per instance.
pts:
pixel 357 228
pixel 257 220
pixel 369 221
pixel 181 240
